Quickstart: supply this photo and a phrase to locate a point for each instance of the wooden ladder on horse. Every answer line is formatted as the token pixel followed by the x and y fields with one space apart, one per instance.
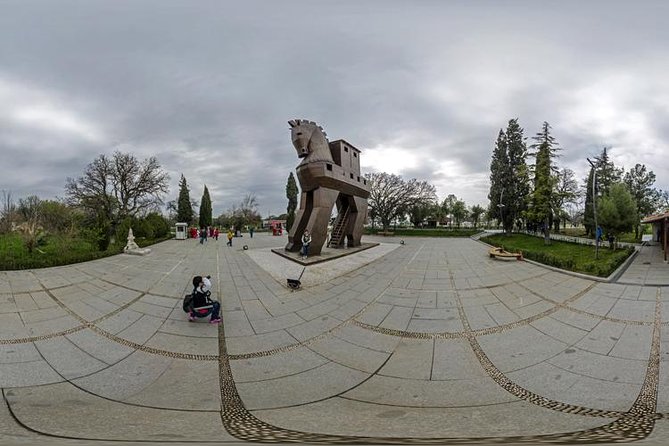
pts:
pixel 336 238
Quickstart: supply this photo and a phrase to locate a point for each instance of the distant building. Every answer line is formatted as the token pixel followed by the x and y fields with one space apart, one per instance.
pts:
pixel 660 224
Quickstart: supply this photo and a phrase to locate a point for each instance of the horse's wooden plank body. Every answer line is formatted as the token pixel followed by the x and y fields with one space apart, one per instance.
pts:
pixel 324 174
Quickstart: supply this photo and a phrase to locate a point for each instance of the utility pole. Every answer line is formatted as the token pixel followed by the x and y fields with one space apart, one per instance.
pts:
pixel 594 206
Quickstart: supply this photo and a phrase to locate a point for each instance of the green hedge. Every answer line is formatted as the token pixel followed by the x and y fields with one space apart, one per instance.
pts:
pixel 57 250
pixel 564 255
pixel 425 232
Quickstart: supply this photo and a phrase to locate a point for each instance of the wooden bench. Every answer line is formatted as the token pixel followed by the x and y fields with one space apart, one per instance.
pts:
pixel 499 253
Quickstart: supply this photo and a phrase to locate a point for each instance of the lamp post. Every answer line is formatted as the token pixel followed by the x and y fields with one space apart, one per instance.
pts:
pixel 594 206
pixel 501 207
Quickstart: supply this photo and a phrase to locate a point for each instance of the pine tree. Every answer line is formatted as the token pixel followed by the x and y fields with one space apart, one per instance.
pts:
pixel 519 181
pixel 205 209
pixel 184 207
pixel 607 173
pixel 291 194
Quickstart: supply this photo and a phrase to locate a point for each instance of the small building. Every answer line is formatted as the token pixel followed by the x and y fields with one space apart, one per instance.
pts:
pixel 660 224
pixel 181 231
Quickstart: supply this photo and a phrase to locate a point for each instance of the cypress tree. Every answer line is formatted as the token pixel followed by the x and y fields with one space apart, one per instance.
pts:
pixel 500 179
pixel 184 207
pixel 291 194
pixel 544 181
pixel 519 181
pixel 205 209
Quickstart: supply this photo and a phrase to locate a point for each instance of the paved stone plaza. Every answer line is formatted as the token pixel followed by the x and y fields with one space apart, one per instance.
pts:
pixel 427 342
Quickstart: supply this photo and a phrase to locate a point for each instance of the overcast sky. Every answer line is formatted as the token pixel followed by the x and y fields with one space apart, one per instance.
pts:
pixel 421 87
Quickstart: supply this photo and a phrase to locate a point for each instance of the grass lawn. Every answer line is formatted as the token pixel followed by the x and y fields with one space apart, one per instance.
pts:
pixel 58 250
pixel 569 256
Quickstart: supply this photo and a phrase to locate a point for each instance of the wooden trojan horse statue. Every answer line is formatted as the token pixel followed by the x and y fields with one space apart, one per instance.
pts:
pixel 329 175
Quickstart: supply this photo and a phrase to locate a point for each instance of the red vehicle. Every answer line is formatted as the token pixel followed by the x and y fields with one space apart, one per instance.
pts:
pixel 276 227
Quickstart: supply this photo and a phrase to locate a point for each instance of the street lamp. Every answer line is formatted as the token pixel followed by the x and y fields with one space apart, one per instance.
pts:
pixel 594 206
pixel 501 206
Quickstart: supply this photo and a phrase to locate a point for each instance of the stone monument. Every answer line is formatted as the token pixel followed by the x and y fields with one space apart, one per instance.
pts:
pixel 329 175
pixel 132 248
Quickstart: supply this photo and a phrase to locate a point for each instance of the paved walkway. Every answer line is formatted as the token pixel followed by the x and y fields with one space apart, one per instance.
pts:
pixel 428 342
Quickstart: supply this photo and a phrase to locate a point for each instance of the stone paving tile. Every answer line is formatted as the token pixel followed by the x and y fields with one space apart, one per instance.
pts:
pixel 501 314
pixel 276 323
pixel 663 389
pixel 142 330
pixel 275 366
pixel 412 358
pixel 454 360
pixel 350 355
pixel 127 377
pixel 23 374
pixel 575 319
pixel 479 318
pixel 67 359
pixel 313 328
pixel 186 344
pixel 545 379
pixel 634 310
pixel 397 319
pixel 600 367
pixel 421 325
pixel 266 341
pixel 559 331
pixel 375 313
pixel 511 351
pixel 598 394
pixel 11 353
pixel 255 310
pixel 634 343
pixel 368 339
pixel 119 321
pixel 343 416
pixel 184 385
pixel 99 347
pixel 52 326
pixel 70 412
pixel 426 393
pixel 333 379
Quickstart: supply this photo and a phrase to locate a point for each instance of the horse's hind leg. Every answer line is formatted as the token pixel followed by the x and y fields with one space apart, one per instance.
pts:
pixel 323 201
pixel 356 220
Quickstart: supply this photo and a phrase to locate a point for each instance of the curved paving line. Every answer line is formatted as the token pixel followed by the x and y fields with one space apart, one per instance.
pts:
pixel 593 315
pixel 637 423
pixel 16 419
pixel 242 424
pixel 477 332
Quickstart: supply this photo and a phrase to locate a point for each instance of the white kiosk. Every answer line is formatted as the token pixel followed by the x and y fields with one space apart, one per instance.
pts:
pixel 182 231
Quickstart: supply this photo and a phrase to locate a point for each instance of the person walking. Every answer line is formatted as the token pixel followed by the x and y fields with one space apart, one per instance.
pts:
pixel 306 241
pixel 230 235
pixel 251 231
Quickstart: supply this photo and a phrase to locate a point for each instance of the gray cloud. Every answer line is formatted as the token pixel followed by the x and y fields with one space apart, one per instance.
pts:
pixel 207 87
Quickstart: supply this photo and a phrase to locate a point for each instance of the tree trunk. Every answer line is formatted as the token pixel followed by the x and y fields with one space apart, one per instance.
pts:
pixel 547 232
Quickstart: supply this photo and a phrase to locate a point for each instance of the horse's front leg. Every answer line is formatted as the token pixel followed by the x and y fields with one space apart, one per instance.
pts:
pixel 323 201
pixel 300 223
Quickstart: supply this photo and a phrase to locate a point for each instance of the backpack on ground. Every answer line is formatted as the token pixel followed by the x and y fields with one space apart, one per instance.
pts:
pixel 187 303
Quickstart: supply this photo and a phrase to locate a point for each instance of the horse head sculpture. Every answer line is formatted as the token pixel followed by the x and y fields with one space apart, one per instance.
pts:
pixel 310 141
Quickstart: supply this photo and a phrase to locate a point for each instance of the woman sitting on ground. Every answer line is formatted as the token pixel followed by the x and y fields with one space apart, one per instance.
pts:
pixel 202 305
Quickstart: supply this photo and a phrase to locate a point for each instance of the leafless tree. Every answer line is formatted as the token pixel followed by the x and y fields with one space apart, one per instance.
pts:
pixel 116 187
pixel 8 211
pixel 391 197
